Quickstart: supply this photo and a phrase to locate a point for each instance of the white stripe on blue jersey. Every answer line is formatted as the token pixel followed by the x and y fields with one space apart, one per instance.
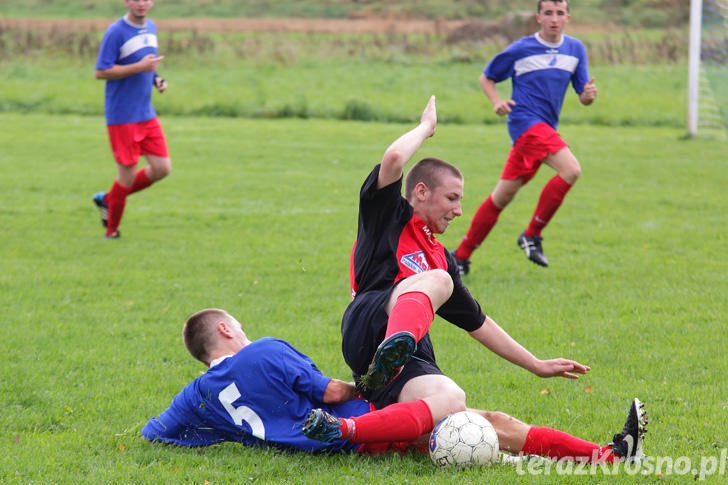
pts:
pixel 545 61
pixel 136 43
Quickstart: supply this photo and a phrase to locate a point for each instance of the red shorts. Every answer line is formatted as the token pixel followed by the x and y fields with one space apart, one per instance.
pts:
pixel 529 150
pixel 129 140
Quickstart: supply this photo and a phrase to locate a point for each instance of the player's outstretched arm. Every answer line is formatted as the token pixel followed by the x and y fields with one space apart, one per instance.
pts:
pixel 404 147
pixel 497 340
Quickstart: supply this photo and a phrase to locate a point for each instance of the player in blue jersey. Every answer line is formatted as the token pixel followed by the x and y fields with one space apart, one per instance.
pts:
pixel 260 392
pixel 541 67
pixel 235 399
pixel 128 62
pixel 265 392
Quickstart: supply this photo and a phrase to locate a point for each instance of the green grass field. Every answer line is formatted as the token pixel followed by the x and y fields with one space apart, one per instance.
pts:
pixel 258 217
pixel 351 89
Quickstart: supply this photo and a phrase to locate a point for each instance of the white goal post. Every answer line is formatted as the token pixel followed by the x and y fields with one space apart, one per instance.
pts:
pixel 696 14
pixel 708 66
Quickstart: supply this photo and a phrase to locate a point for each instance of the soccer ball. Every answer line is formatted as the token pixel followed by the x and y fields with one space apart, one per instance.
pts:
pixel 463 439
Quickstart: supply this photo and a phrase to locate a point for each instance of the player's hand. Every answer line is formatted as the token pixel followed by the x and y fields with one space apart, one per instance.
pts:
pixel 429 116
pixel 590 92
pixel 339 391
pixel 160 83
pixel 560 368
pixel 149 63
pixel 503 107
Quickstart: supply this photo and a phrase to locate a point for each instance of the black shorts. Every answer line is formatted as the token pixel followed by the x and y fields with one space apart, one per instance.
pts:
pixel 363 327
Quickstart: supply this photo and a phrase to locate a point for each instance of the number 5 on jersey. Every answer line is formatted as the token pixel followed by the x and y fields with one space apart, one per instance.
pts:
pixel 242 413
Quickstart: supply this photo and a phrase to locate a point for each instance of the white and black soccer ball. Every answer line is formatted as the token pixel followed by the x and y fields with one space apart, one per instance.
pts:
pixel 463 439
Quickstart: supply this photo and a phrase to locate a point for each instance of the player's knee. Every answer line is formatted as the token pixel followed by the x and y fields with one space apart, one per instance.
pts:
pixel 502 197
pixel 571 173
pixel 165 169
pixel 442 285
pixel 450 401
pixel 442 278
pixel 458 400
pixel 575 174
pixel 161 170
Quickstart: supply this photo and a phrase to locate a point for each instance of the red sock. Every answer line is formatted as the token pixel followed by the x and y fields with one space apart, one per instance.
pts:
pixel 551 198
pixel 553 443
pixel 402 421
pixel 412 312
pixel 141 182
pixel 116 199
pixel 483 221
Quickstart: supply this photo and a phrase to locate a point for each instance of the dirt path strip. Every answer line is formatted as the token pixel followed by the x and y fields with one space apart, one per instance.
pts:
pixel 332 26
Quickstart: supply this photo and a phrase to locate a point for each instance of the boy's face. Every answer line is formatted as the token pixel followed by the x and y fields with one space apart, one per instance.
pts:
pixel 440 206
pixel 139 8
pixel 553 18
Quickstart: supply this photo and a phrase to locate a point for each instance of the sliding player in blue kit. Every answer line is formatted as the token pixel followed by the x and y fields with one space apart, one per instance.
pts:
pixel 540 66
pixel 204 413
pixel 260 393
pixel 266 393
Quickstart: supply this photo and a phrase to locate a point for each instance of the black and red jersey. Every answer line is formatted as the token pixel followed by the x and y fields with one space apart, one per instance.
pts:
pixel 392 244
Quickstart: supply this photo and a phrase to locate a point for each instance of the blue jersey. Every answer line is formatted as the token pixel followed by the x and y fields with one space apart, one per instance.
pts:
pixel 540 72
pixel 259 396
pixel 129 99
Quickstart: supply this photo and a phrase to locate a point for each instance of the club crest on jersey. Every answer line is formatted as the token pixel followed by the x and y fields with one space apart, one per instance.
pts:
pixel 416 262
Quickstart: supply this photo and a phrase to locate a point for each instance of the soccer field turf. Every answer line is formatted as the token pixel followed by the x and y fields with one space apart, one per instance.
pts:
pixel 258 217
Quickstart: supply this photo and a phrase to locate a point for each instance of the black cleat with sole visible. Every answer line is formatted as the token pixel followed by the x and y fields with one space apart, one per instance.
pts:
pixel 322 426
pixel 391 355
pixel 628 444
